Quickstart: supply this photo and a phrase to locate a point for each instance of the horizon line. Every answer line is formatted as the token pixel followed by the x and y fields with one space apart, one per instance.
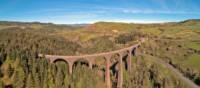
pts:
pixel 93 22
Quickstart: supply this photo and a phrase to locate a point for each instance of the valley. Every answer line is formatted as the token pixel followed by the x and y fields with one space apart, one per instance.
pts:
pixel 176 45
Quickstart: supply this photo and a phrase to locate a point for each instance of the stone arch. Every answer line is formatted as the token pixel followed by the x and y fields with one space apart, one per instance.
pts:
pixel 67 62
pixel 82 61
pixel 126 58
pixel 123 56
pixel 114 68
pixel 59 59
pixel 98 64
pixel 133 51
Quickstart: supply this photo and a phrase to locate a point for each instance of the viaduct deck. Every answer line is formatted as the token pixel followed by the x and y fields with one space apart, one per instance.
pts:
pixel 129 51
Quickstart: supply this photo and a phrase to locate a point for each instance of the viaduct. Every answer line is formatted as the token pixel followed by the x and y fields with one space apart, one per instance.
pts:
pixel 129 51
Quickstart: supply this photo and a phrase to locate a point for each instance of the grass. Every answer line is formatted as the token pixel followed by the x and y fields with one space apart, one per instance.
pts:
pixel 4 27
pixel 164 73
pixel 152 31
pixel 193 45
pixel 193 61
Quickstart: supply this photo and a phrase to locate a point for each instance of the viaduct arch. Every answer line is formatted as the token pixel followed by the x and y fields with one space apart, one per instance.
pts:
pixel 129 52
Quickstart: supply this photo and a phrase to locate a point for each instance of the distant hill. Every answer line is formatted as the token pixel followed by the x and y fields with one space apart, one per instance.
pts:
pixel 190 22
pixel 39 25
pixel 78 25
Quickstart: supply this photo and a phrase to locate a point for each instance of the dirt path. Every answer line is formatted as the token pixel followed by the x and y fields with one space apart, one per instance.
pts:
pixel 178 74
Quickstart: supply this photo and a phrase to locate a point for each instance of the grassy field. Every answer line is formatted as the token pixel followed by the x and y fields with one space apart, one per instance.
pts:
pixel 193 45
pixel 193 61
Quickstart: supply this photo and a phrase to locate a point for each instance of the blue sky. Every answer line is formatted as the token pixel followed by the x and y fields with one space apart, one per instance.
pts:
pixel 90 11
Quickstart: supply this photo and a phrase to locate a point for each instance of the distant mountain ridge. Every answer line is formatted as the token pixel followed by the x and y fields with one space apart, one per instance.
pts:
pixel 189 21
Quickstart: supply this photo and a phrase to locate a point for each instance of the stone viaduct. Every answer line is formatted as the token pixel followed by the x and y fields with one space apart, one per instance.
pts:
pixel 129 51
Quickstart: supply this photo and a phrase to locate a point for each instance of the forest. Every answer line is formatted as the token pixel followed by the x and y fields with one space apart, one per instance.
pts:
pixel 20 43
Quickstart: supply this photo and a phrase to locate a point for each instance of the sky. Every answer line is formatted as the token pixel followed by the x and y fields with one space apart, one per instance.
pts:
pixel 90 11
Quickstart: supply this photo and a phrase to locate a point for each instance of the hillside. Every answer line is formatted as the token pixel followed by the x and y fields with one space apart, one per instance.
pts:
pixel 177 44
pixel 191 22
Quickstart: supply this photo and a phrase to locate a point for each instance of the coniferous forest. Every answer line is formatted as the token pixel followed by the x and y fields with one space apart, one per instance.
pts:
pixel 20 43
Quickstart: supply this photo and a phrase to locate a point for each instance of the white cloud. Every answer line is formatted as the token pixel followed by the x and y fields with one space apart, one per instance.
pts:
pixel 149 11
pixel 68 16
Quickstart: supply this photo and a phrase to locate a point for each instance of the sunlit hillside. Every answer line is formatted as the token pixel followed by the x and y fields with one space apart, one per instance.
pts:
pixel 177 44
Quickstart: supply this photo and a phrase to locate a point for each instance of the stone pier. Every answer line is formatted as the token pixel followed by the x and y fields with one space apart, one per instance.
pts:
pixel 107 56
